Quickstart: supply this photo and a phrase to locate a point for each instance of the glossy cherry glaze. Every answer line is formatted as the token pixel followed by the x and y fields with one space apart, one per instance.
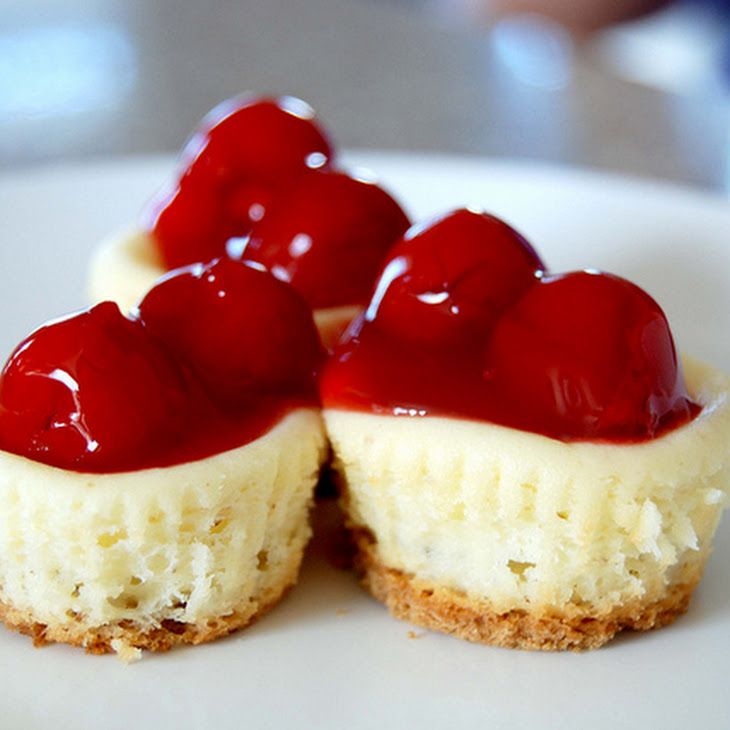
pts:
pixel 578 356
pixel 245 153
pixel 217 356
pixel 327 236
pixel 449 280
pixel 242 331
pixel 89 390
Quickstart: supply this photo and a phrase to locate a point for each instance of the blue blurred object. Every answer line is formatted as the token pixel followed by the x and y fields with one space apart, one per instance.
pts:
pixel 684 48
pixel 722 8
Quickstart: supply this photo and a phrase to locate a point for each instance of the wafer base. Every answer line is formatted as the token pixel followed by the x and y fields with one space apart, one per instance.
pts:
pixel 452 612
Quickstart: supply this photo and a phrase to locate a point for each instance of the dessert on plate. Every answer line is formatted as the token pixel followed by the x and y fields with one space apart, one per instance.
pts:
pixel 257 181
pixel 156 469
pixel 524 459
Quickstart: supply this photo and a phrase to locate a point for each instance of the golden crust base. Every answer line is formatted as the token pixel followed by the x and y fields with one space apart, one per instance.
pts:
pixel 100 639
pixel 453 612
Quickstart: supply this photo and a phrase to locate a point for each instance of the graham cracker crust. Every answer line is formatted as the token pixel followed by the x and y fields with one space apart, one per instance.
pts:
pixel 130 635
pixel 452 612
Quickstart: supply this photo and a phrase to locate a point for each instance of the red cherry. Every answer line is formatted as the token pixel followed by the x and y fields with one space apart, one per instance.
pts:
pixel 461 325
pixel 90 392
pixel 450 279
pixel 241 331
pixel 256 139
pixel 587 355
pixel 327 237
pixel 189 224
pixel 245 152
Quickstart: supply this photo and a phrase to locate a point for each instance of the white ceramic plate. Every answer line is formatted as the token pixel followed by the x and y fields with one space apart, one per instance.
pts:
pixel 329 656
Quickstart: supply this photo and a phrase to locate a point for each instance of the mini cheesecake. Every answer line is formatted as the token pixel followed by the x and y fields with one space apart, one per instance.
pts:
pixel 256 182
pixel 522 460
pixel 160 556
pixel 156 471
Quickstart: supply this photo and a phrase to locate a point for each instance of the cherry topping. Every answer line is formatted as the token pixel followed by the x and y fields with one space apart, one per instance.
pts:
pixel 88 390
pixel 462 325
pixel 587 355
pixel 327 236
pixel 240 330
pixel 450 279
pixel 245 152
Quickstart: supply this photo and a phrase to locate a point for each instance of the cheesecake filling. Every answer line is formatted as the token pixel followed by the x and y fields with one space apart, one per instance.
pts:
pixel 185 543
pixel 124 267
pixel 534 523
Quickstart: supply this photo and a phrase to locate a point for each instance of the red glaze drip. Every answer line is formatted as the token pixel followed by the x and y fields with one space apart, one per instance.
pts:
pixel 579 356
pixel 219 354
pixel 245 153
pixel 328 237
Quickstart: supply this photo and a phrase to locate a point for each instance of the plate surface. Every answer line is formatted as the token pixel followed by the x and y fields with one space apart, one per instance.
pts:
pixel 329 656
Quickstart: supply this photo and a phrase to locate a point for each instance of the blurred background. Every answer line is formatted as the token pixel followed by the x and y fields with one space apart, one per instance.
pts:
pixel 636 86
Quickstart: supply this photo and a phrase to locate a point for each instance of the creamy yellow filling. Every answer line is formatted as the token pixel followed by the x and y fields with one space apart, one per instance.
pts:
pixel 526 521
pixel 124 268
pixel 186 542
